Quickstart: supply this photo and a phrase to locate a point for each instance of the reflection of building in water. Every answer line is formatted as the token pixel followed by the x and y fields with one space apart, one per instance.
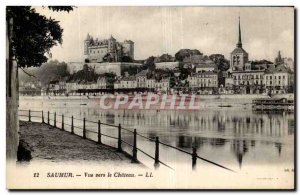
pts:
pixel 190 141
pixel 224 122
pixel 279 147
pixel 240 148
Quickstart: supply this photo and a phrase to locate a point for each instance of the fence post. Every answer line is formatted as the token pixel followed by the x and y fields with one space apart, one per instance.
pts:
pixel 134 149
pixel 42 116
pixel 54 119
pixel 99 132
pixel 29 116
pixel 48 118
pixel 194 158
pixel 119 139
pixel 156 161
pixel 84 133
pixel 62 122
pixel 72 125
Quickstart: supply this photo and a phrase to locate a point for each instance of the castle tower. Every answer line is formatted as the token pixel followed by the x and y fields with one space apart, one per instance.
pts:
pixel 112 47
pixel 238 57
pixel 86 44
pixel 128 48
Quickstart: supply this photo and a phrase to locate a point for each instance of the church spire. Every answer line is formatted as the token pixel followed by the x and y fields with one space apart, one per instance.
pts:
pixel 239 44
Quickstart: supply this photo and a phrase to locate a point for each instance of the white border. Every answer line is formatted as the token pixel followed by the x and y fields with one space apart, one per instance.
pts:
pixel 4 3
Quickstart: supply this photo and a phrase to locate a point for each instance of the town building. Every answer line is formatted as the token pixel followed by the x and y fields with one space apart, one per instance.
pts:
pixel 141 79
pixel 163 85
pixel 248 82
pixel 201 81
pixel 278 79
pixel 127 83
pixel 31 88
pixel 205 66
pixel 150 83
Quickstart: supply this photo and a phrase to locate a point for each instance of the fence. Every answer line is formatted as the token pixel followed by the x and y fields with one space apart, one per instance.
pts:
pixel 41 115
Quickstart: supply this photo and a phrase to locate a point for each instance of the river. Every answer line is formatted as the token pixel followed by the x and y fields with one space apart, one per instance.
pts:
pixel 235 137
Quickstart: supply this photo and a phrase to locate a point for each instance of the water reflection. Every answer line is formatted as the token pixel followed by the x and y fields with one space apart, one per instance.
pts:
pixel 224 134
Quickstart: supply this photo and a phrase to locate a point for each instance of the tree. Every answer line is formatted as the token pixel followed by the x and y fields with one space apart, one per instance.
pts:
pixel 183 53
pixel 33 34
pixel 221 62
pixel 29 37
pixel 126 59
pixel 255 62
pixel 150 63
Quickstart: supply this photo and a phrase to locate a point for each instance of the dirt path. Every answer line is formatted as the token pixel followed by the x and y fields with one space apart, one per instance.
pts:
pixel 48 143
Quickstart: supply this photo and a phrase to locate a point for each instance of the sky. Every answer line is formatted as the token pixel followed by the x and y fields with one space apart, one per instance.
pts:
pixel 158 30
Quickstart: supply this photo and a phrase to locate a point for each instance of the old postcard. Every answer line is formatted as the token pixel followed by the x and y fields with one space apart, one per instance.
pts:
pixel 150 97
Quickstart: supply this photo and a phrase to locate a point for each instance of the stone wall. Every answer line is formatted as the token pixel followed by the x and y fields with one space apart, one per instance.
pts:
pixel 100 68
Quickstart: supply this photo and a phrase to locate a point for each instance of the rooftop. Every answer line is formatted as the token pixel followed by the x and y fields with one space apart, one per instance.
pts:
pixel 129 78
pixel 204 73
pixel 278 69
pixel 142 73
pixel 239 50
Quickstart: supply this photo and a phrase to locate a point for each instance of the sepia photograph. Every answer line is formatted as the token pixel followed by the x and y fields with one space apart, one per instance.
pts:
pixel 150 97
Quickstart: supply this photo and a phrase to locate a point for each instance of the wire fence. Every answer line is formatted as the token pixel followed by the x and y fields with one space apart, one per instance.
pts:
pixel 45 117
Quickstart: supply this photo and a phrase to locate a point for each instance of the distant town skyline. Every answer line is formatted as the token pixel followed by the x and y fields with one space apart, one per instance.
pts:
pixel 159 30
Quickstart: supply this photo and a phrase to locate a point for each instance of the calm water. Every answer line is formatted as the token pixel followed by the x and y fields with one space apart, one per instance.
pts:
pixel 236 138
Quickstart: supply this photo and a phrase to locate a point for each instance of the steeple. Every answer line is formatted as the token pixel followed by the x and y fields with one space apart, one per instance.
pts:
pixel 279 55
pixel 88 37
pixel 239 44
pixel 279 59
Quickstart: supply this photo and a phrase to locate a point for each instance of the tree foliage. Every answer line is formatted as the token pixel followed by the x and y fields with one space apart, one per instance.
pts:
pixel 256 62
pixel 87 74
pixel 183 53
pixel 52 70
pixel 149 63
pixel 221 62
pixel 33 34
pixel 126 59
pixel 61 8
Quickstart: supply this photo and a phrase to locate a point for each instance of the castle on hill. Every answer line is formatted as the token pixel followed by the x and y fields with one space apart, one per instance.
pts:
pixel 106 56
pixel 108 50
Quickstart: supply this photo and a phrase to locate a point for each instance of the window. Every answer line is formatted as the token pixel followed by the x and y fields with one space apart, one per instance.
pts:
pixel 279 77
pixel 238 60
pixel 283 77
pixel 270 77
